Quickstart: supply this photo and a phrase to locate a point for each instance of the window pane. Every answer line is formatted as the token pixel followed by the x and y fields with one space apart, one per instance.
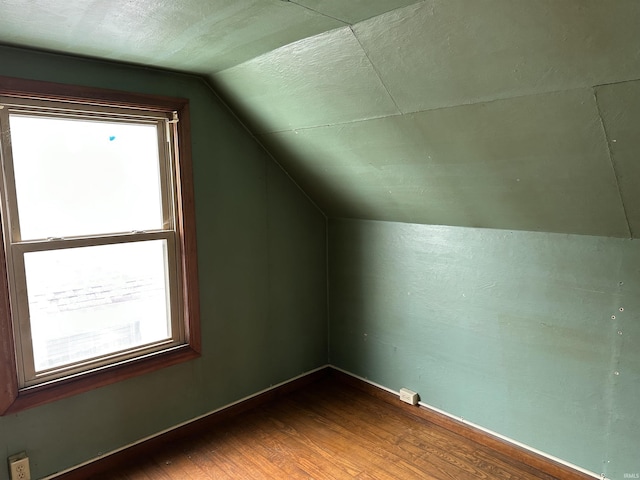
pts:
pixel 81 177
pixel 91 301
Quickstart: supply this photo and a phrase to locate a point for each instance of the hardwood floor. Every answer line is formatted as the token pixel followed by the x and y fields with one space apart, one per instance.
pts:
pixel 327 430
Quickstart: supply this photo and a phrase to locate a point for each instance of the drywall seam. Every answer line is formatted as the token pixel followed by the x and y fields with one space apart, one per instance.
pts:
pixel 179 425
pixel 373 66
pixel 317 11
pixel 257 140
pixel 617 82
pixel 400 114
pixel 610 402
pixel 611 162
pixel 479 427
pixel 335 124
pixel 610 392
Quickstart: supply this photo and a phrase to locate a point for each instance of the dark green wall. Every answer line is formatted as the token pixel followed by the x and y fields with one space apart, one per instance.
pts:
pixel 262 269
pixel 510 330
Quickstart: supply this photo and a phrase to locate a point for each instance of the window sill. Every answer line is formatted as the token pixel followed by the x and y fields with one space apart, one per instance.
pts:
pixel 68 386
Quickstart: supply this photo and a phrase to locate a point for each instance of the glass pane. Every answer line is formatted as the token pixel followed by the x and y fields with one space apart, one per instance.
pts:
pixel 81 177
pixel 91 301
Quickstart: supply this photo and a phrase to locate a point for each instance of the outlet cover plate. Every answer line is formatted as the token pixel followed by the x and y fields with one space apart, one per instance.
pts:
pixel 19 467
pixel 408 396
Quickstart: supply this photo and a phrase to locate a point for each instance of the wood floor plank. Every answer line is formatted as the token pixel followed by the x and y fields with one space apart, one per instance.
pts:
pixel 326 431
pixel 199 452
pixel 225 456
pixel 277 452
pixel 251 455
pixel 137 472
pixel 435 440
pixel 403 445
pixel 342 441
pixel 423 454
pixel 316 460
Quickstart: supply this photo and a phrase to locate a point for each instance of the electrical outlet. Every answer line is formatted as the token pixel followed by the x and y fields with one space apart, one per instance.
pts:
pixel 19 467
pixel 408 396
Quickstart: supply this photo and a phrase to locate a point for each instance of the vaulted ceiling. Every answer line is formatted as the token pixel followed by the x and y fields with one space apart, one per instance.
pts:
pixel 514 114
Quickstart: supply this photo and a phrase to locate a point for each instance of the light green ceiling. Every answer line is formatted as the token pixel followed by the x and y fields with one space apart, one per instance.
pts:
pixel 496 126
pixel 532 163
pixel 354 11
pixel 317 81
pixel 497 114
pixel 440 53
pixel 200 36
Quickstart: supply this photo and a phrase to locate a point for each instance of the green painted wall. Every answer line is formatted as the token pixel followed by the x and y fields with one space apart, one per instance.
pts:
pixel 262 264
pixel 510 330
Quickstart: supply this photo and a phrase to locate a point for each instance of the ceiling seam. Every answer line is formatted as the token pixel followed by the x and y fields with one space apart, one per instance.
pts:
pixel 366 54
pixel 611 162
pixel 631 80
pixel 324 125
pixel 435 109
pixel 260 144
pixel 318 12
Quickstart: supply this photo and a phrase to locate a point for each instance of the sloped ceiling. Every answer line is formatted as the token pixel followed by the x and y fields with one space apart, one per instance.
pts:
pixel 200 36
pixel 514 114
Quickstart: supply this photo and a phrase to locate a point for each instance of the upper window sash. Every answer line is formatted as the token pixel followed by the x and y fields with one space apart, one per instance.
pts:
pixel 19 110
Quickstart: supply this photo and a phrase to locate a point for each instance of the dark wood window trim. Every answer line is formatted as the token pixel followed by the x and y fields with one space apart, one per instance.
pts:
pixel 13 399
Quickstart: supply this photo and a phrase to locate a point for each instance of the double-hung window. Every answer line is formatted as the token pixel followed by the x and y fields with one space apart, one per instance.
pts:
pixel 98 237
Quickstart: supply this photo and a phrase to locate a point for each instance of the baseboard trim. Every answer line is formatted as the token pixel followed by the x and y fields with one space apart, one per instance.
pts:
pixel 529 456
pixel 194 426
pixel 503 445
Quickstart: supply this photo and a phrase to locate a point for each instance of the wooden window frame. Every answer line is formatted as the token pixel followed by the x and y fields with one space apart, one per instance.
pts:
pixel 13 398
